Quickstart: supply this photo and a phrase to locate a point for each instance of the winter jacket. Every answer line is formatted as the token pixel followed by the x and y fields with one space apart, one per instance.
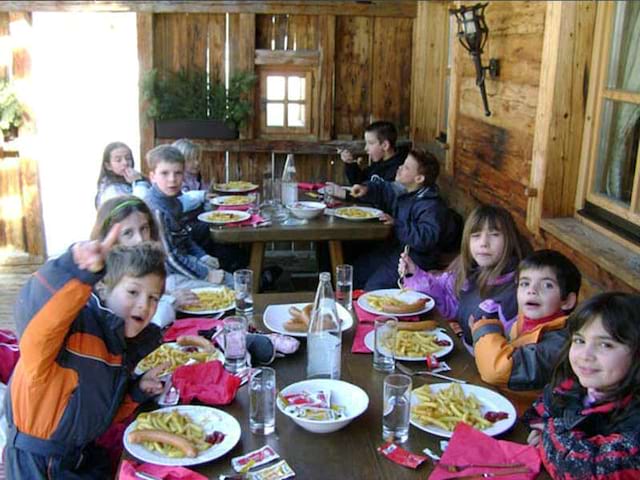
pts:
pixel 500 302
pixel 73 377
pixel 581 442
pixel 384 169
pixel 183 253
pixel 108 189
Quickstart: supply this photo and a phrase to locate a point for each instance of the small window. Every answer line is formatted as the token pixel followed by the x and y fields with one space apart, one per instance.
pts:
pixel 285 101
pixel 613 180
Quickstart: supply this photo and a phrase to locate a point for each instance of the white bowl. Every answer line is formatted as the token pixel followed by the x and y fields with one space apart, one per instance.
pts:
pixel 306 210
pixel 354 399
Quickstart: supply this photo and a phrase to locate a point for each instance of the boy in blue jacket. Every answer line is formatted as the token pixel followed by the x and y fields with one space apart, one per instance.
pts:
pixel 420 219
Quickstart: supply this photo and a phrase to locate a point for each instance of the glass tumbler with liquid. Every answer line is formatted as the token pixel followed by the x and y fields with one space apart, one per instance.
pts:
pixel 396 408
pixel 344 286
pixel 262 401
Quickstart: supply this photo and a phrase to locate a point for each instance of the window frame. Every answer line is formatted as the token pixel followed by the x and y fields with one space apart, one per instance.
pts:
pixel 287 71
pixel 598 94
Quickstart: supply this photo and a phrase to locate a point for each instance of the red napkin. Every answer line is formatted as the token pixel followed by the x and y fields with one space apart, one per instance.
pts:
pixel 365 316
pixel 468 445
pixel 189 326
pixel 234 207
pixel 310 186
pixel 128 471
pixel 208 382
pixel 358 340
pixel 255 219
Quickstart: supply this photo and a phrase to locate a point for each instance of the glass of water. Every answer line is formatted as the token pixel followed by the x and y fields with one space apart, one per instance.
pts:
pixel 385 331
pixel 396 408
pixel 243 286
pixel 262 401
pixel 235 343
pixel 344 286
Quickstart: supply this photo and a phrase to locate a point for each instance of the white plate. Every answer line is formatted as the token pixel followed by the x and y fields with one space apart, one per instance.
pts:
pixel 210 419
pixel 237 216
pixel 373 211
pixel 491 402
pixel 208 312
pixel 275 316
pixel 218 356
pixel 408 296
pixel 223 200
pixel 369 342
pixel 224 187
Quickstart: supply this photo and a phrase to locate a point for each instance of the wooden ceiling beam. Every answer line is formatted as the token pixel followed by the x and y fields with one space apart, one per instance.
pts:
pixel 384 8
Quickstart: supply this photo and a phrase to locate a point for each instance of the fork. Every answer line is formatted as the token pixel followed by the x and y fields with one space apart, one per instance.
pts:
pixel 407 371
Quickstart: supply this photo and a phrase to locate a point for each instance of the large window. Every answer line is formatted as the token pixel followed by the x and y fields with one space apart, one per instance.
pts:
pixel 612 184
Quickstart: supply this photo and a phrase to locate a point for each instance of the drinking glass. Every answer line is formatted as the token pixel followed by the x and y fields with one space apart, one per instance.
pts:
pixel 243 286
pixel 235 343
pixel 344 286
pixel 385 331
pixel 262 401
pixel 397 408
pixel 254 206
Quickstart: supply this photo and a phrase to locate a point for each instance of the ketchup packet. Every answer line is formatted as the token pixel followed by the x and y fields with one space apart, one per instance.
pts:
pixel 315 413
pixel 254 459
pixel 401 456
pixel 278 471
pixel 319 399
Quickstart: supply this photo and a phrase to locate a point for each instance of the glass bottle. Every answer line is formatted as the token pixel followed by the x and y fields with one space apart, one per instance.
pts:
pixel 324 337
pixel 289 182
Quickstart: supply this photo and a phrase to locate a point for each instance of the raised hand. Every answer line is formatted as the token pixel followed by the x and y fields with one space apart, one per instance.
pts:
pixel 185 297
pixel 406 266
pixel 91 255
pixel 150 382
pixel 215 276
pixel 131 175
pixel 358 190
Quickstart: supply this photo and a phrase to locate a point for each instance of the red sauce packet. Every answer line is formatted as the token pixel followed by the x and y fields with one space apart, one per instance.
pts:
pixel 401 456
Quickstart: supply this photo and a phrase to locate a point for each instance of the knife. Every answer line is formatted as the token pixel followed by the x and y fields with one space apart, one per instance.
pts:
pixel 502 473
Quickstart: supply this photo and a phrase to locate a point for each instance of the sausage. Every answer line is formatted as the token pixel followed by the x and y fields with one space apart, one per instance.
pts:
pixel 196 341
pixel 181 443
pixel 407 308
pixel 418 326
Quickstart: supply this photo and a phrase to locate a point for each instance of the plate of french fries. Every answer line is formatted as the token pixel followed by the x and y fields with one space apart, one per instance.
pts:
pixel 233 200
pixel 181 435
pixel 357 213
pixel 293 318
pixel 235 187
pixel 396 302
pixel 438 408
pixel 224 217
pixel 211 300
pixel 177 355
pixel 415 345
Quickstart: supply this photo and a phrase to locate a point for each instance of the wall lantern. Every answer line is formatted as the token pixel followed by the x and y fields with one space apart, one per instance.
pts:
pixel 473 34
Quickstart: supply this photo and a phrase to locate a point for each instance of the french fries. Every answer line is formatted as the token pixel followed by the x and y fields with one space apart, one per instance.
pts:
pixel 222 216
pixel 446 408
pixel 235 200
pixel 174 423
pixel 391 304
pixel 354 212
pixel 236 185
pixel 414 344
pixel 176 357
pixel 212 300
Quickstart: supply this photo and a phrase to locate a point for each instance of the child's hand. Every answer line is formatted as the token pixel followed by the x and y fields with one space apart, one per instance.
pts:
pixel 185 297
pixel 131 175
pixel 150 382
pixel 406 266
pixel 358 190
pixel 534 437
pixel 91 255
pixel 386 219
pixel 215 276
pixel 335 190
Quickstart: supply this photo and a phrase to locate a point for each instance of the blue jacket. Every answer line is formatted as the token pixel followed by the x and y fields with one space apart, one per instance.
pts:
pixel 384 169
pixel 419 219
pixel 183 253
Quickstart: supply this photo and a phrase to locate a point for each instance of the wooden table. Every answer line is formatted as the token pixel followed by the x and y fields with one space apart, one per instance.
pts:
pixel 349 453
pixel 324 228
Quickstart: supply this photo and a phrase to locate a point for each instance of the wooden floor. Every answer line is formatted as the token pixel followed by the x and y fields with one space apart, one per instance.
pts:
pixel 11 281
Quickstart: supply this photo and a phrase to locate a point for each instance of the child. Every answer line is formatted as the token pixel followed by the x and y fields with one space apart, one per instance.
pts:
pixel 380 144
pixel 192 153
pixel 587 422
pixel 185 256
pixel 480 282
pixel 72 379
pixel 417 212
pixel 117 175
pixel 137 226
pixel 548 287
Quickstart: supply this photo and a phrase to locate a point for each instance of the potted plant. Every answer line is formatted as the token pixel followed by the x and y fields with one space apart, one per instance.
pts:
pixel 11 111
pixel 187 103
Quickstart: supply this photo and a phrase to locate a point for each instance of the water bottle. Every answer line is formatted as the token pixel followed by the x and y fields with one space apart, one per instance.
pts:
pixel 324 337
pixel 289 183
